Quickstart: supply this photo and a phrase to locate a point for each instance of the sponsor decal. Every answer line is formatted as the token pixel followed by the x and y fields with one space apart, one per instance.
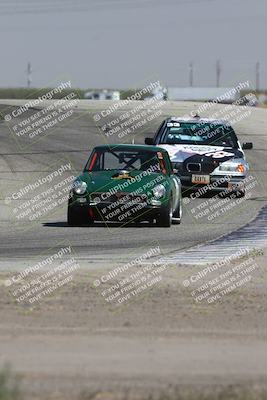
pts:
pixel 179 152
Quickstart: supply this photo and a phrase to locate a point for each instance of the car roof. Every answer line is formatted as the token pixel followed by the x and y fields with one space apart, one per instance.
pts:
pixel 197 120
pixel 130 147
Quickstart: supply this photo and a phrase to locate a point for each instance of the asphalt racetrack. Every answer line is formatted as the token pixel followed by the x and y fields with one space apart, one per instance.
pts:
pixel 22 160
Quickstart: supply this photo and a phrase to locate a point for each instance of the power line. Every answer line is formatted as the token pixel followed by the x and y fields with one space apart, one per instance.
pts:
pixel 218 73
pixel 29 74
pixel 191 74
pixel 257 76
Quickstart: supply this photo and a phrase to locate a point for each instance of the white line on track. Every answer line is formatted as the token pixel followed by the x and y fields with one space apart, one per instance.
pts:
pixel 251 236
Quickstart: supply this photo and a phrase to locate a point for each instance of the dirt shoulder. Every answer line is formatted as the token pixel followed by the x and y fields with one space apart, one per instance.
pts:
pixel 75 343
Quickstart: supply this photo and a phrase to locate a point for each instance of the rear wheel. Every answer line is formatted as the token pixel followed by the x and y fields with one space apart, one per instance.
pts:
pixel 164 219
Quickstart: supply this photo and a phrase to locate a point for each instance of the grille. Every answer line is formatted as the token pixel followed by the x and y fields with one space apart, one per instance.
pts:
pixel 118 197
pixel 208 167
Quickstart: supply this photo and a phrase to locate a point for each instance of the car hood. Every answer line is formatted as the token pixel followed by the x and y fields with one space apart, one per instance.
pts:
pixel 201 153
pixel 102 181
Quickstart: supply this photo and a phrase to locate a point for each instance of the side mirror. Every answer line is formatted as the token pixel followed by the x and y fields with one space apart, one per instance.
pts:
pixel 149 141
pixel 247 146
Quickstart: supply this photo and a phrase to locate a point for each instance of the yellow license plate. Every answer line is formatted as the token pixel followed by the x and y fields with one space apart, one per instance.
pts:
pixel 204 179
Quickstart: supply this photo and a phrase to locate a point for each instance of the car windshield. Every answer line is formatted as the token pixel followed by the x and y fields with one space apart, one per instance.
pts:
pixel 128 160
pixel 199 133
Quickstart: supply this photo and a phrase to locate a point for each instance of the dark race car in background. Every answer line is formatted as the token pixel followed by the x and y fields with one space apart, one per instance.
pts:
pixel 204 153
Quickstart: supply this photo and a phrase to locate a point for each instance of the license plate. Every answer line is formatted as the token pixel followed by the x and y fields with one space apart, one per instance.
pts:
pixel 201 179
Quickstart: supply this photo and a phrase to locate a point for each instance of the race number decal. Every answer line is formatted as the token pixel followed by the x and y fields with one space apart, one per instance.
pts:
pixel 219 154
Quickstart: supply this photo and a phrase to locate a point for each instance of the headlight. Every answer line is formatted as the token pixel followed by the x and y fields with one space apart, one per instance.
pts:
pixel 79 187
pixel 232 167
pixel 159 191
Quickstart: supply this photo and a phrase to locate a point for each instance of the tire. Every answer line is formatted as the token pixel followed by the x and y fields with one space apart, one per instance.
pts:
pixel 239 194
pixel 177 215
pixel 77 216
pixel 164 219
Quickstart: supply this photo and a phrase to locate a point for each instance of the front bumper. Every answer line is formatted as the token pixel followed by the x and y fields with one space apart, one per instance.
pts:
pixel 124 213
pixel 217 183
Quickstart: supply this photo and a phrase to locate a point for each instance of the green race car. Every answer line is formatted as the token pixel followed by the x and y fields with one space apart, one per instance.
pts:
pixel 126 183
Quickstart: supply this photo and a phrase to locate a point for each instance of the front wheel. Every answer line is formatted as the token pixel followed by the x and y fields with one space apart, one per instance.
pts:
pixel 77 216
pixel 177 215
pixel 164 219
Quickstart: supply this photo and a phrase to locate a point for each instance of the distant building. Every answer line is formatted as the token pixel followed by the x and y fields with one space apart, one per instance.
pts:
pixel 222 94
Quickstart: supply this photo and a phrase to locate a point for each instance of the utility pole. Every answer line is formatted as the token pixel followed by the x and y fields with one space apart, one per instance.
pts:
pixel 257 76
pixel 218 72
pixel 29 74
pixel 191 74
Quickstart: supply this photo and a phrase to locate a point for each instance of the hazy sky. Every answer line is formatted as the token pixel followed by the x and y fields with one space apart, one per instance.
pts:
pixel 122 43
